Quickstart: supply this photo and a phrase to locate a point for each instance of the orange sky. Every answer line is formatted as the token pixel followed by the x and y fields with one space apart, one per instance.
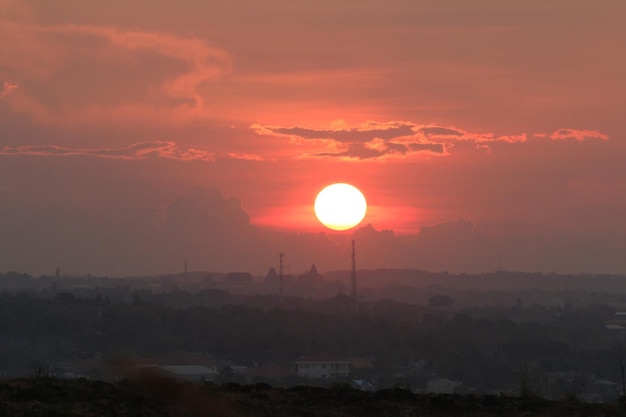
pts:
pixel 136 134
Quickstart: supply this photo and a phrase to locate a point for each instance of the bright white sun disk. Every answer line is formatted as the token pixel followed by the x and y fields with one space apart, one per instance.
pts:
pixel 340 206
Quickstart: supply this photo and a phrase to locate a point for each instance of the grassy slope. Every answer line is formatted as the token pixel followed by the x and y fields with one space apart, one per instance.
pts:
pixel 152 395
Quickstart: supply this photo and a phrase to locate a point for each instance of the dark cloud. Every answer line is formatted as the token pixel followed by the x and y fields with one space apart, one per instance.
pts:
pixel 357 151
pixel 211 229
pixel 430 147
pixel 440 131
pixel 369 141
pixel 205 214
pixel 374 140
pixel 381 247
pixel 361 151
pixel 348 135
pixel 455 246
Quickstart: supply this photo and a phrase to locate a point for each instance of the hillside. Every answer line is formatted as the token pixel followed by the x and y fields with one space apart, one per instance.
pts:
pixel 152 395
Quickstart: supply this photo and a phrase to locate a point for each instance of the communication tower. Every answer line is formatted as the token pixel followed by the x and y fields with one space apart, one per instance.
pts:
pixel 353 275
pixel 55 281
pixel 280 273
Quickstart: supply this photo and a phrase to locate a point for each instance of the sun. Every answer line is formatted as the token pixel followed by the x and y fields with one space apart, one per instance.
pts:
pixel 340 206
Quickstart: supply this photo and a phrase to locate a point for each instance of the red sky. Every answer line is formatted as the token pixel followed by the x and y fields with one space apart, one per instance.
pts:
pixel 134 135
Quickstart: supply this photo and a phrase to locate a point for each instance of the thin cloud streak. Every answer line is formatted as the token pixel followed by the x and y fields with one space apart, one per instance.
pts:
pixel 144 150
pixel 382 149
pixel 348 136
pixel 578 134
pixel 242 156
pixel 7 89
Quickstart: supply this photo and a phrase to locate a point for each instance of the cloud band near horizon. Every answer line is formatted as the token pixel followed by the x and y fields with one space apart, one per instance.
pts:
pixel 374 140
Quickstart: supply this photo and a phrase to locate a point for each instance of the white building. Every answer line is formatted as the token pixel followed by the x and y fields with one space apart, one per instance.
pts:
pixel 323 366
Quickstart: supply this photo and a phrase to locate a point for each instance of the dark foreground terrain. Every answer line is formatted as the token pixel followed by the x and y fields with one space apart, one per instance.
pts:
pixel 153 395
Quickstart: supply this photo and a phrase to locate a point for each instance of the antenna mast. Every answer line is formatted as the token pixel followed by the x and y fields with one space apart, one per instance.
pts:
pixel 353 276
pixel 280 273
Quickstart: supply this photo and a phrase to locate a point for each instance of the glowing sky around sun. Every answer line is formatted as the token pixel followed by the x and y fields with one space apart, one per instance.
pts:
pixel 136 134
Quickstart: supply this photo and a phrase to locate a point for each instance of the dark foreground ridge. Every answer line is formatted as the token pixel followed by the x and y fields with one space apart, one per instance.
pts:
pixel 153 395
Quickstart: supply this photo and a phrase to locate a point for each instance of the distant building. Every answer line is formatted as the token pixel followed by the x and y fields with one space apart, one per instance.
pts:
pixel 323 366
pixel 313 276
pixel 603 392
pixel 238 278
pixel 272 276
pixel 617 322
pixel 310 283
pixel 275 284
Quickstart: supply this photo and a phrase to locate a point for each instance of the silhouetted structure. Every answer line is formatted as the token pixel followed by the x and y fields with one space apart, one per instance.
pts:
pixel 271 281
pixel 312 278
pixel 55 281
pixel 353 276
pixel 280 273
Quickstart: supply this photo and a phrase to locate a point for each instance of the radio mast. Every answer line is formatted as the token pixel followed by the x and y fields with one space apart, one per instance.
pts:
pixel 353 276
pixel 280 273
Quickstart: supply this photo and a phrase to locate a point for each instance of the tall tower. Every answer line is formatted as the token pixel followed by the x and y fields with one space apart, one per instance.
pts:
pixel 353 275
pixel 280 273
pixel 55 282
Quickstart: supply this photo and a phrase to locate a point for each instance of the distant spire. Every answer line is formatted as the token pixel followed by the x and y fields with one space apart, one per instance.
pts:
pixel 271 274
